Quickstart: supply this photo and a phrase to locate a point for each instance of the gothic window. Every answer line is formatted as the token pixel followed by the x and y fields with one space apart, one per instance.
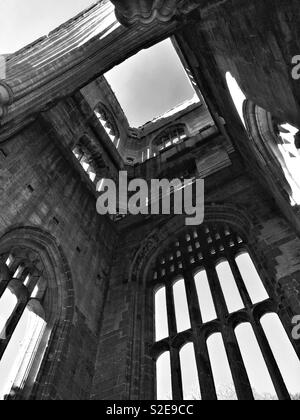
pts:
pixel 274 144
pixel 163 373
pixel 221 371
pixel 287 154
pixel 181 306
pixel 85 159
pixel 206 303
pixel 170 137
pixel 219 325
pixel 161 316
pixel 22 322
pixel 188 364
pixel 237 95
pixel 108 122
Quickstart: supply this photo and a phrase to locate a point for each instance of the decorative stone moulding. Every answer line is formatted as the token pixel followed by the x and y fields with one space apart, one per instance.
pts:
pixel 130 12
pixel 6 98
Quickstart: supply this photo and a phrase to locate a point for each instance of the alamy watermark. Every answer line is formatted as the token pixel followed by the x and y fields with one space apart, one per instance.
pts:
pixel 178 197
pixel 296 329
pixel 296 67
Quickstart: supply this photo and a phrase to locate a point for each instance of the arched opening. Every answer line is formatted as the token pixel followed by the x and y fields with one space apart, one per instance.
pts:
pixel 8 304
pixel 84 158
pixel 164 377
pixel 275 142
pixel 189 373
pixel 21 351
pixel 169 137
pixel 223 380
pixel 237 95
pixel 181 306
pixel 22 325
pixel 205 299
pixel 251 278
pixel 34 319
pixel 288 147
pixel 259 377
pixel 161 315
pixel 229 287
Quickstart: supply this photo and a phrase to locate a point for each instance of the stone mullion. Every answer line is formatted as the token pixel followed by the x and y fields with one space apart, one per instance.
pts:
pixel 171 310
pixel 174 351
pixel 12 326
pixel 176 374
pixel 193 304
pixel 23 295
pixel 217 293
pixel 230 254
pixel 205 375
pixel 240 376
pixel 240 283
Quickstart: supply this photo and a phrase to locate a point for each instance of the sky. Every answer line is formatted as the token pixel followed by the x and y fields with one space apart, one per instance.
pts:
pixel 24 21
pixel 150 83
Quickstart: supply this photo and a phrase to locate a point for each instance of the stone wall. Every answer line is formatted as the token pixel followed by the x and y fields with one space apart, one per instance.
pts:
pixel 39 188
pixel 272 241
pixel 254 41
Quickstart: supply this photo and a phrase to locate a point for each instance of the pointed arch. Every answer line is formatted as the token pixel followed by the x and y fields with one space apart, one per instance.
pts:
pixel 169 137
pixel 173 250
pixel 160 237
pixel 41 250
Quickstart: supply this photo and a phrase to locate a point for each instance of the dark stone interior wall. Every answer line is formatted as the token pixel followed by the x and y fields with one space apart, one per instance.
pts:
pixel 256 42
pixel 128 372
pixel 40 188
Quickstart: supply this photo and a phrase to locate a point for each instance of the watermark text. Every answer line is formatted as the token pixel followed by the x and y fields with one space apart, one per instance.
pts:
pixel 163 196
pixel 296 329
pixel 296 67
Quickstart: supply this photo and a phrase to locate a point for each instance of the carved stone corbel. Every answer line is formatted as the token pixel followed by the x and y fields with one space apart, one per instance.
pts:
pixel 145 12
pixel 6 98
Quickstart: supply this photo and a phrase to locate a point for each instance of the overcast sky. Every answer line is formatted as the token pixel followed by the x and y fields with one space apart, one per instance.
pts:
pixel 23 21
pixel 150 83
